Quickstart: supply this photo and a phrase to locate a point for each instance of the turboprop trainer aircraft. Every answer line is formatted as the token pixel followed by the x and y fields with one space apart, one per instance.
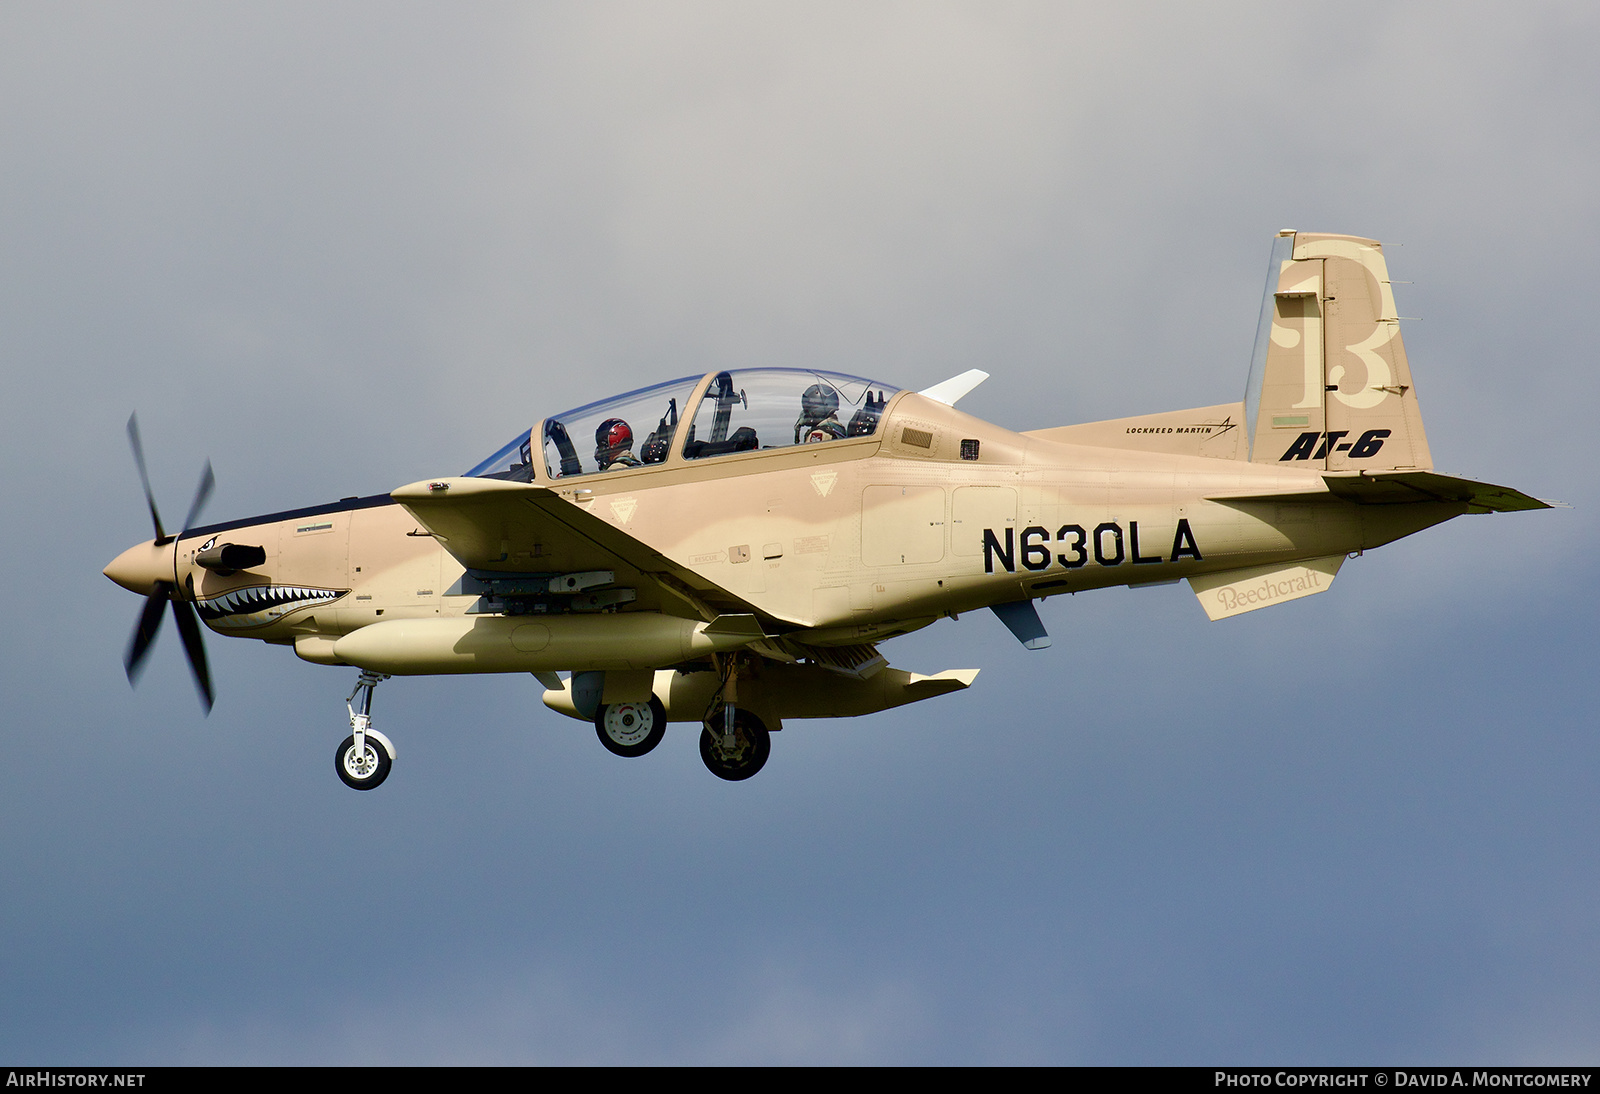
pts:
pixel 734 546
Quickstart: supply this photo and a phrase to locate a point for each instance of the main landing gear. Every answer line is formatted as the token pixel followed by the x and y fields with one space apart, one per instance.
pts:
pixel 631 729
pixel 734 744
pixel 364 758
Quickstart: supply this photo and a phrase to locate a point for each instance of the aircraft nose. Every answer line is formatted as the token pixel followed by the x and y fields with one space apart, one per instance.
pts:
pixel 139 568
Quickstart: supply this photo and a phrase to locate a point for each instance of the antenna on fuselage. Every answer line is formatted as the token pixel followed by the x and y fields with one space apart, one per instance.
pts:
pixel 950 391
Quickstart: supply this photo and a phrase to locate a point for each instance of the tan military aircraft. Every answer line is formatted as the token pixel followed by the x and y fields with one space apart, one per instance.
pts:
pixel 734 546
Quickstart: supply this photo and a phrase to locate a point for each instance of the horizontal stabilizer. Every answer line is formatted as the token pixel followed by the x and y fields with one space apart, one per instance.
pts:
pixel 1234 592
pixel 1403 487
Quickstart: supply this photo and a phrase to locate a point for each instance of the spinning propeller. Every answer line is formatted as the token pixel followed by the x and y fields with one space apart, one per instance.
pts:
pixel 163 589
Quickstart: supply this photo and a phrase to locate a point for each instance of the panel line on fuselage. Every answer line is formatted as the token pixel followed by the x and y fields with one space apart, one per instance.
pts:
pixel 372 501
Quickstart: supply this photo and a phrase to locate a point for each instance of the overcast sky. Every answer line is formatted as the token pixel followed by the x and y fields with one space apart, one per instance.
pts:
pixel 337 248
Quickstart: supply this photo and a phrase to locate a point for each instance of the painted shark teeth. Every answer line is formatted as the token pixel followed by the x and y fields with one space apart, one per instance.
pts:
pixel 258 605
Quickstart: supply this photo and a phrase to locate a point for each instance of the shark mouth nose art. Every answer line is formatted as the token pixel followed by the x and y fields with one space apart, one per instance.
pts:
pixel 258 605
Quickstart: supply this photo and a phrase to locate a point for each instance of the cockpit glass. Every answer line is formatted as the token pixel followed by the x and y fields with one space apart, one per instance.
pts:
pixel 746 410
pixel 624 431
pixel 513 462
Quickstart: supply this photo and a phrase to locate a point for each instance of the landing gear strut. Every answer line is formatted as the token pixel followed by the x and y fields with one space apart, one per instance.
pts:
pixel 734 744
pixel 364 757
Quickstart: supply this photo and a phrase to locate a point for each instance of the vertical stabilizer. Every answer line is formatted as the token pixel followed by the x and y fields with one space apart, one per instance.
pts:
pixel 1329 383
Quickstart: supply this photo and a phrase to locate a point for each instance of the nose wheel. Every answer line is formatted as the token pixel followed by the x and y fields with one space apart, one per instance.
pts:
pixel 365 757
pixel 738 750
pixel 363 768
pixel 631 729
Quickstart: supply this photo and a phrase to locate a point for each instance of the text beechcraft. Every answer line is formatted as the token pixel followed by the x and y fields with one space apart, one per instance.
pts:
pixel 729 549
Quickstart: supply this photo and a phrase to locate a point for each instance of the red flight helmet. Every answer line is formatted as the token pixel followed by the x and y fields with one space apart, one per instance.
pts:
pixel 614 435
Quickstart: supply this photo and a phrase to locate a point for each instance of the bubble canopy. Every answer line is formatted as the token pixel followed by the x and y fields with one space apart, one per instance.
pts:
pixel 741 410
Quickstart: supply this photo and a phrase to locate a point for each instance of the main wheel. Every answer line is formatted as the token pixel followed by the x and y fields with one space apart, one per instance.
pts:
pixel 752 744
pixel 366 770
pixel 631 729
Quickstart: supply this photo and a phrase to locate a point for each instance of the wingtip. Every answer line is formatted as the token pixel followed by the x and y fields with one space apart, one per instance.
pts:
pixel 962 678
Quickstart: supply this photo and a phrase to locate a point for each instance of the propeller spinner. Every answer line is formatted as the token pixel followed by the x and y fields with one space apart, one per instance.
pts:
pixel 151 568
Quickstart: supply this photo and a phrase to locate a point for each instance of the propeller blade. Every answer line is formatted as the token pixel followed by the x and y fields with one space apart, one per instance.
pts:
pixel 149 625
pixel 145 632
pixel 202 492
pixel 189 628
pixel 144 475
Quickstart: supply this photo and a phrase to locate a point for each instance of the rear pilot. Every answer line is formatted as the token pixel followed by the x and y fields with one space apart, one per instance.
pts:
pixel 819 415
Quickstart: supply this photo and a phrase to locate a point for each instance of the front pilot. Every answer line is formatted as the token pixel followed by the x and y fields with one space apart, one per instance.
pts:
pixel 613 446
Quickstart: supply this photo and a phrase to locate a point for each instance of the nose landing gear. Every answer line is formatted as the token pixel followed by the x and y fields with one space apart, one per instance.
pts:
pixel 364 758
pixel 364 767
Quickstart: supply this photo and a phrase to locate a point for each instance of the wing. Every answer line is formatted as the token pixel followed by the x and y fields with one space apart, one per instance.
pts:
pixel 518 528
